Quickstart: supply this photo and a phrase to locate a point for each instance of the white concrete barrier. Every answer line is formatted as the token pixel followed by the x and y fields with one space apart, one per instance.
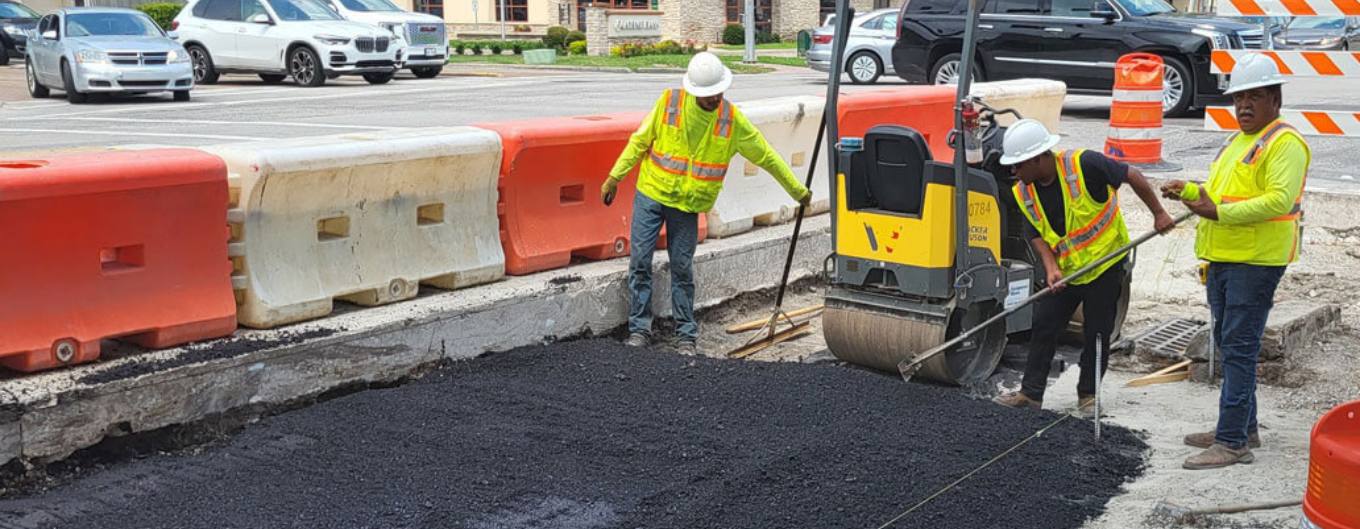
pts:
pixel 1040 99
pixel 365 218
pixel 751 196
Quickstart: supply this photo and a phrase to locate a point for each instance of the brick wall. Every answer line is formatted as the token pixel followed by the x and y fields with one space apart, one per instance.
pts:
pixel 597 31
pixel 792 16
pixel 697 20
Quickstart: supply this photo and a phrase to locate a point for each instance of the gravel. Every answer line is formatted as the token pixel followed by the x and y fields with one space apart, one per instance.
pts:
pixel 589 434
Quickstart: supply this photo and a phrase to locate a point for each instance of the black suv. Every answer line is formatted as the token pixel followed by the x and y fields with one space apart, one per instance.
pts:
pixel 15 22
pixel 1074 41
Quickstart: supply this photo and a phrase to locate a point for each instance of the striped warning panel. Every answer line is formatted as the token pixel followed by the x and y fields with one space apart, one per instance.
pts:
pixel 1296 63
pixel 1299 8
pixel 1312 122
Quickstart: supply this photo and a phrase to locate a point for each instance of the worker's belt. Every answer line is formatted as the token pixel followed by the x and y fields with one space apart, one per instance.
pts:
pixel 1083 237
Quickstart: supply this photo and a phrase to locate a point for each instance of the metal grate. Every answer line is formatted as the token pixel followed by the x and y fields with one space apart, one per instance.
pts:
pixel 1173 338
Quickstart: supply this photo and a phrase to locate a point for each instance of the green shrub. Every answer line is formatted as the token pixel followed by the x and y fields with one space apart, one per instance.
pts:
pixel 459 48
pixel 557 37
pixel 575 36
pixel 765 37
pixel 734 34
pixel 495 48
pixel 517 48
pixel 577 48
pixel 476 48
pixel 162 12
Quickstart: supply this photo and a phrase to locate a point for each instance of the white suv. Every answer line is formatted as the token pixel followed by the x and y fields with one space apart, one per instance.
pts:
pixel 424 34
pixel 275 39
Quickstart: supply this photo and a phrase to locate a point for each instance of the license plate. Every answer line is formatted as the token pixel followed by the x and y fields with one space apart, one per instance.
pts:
pixel 431 51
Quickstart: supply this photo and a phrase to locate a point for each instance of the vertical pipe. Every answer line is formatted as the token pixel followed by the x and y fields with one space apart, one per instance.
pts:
pixel 750 19
pixel 960 153
pixel 844 14
pixel 1100 379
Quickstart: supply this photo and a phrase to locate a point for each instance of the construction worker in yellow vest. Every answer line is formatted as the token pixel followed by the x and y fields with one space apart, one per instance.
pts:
pixel 1248 232
pixel 684 147
pixel 1072 203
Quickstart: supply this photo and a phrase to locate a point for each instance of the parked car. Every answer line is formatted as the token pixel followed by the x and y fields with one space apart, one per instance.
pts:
pixel 1075 41
pixel 83 51
pixel 1255 38
pixel 16 21
pixel 1320 33
pixel 869 49
pixel 425 36
pixel 276 39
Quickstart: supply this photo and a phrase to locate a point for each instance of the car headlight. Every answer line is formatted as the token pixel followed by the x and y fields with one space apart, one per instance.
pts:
pixel 1218 40
pixel 1330 42
pixel 92 57
pixel 177 56
pixel 13 30
pixel 333 40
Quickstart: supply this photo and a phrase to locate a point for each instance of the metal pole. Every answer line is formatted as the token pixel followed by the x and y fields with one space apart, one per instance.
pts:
pixel 1100 372
pixel 961 226
pixel 503 2
pixel 830 114
pixel 750 19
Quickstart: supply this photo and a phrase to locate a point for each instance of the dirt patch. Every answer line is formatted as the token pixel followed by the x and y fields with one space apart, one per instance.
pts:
pixel 590 434
pixel 203 352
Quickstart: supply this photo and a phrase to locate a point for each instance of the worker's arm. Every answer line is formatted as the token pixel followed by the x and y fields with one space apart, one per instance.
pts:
pixel 1286 164
pixel 752 146
pixel 1161 220
pixel 1052 273
pixel 639 143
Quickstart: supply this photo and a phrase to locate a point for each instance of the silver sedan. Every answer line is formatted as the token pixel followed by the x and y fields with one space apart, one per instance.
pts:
pixel 84 51
pixel 869 50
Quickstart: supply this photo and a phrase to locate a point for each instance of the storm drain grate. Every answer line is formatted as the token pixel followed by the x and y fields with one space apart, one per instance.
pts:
pixel 1173 338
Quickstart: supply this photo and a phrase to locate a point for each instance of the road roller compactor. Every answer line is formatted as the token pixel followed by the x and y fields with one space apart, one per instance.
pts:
pixel 899 286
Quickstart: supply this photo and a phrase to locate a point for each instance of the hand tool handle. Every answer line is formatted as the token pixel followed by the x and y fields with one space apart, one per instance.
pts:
pixel 909 367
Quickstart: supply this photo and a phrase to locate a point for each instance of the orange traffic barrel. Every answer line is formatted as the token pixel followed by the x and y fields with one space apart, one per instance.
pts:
pixel 1333 497
pixel 1136 113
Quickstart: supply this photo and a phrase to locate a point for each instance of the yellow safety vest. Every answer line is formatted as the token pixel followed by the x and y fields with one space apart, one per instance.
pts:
pixel 683 176
pixel 1273 242
pixel 1094 230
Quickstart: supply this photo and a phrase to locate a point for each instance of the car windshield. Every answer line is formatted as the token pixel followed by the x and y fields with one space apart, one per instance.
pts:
pixel 110 24
pixel 8 10
pixel 302 10
pixel 370 5
pixel 1143 8
pixel 1318 23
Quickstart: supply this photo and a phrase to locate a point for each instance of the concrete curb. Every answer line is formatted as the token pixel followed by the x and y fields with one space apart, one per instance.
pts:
pixel 48 416
pixel 660 70
pixel 551 68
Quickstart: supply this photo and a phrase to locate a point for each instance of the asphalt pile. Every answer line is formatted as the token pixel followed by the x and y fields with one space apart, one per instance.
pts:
pixel 589 434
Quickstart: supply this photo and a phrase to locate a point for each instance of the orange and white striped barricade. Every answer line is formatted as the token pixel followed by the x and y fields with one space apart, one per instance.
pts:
pixel 1295 63
pixel 1309 122
pixel 1295 8
pixel 1135 135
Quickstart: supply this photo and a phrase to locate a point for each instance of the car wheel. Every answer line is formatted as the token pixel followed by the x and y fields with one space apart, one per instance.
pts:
pixel 68 83
pixel 427 72
pixel 1177 88
pixel 182 96
pixel 35 88
pixel 378 78
pixel 864 68
pixel 946 70
pixel 305 67
pixel 272 78
pixel 204 72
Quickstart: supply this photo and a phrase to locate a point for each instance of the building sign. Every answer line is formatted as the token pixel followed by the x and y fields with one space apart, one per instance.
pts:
pixel 634 26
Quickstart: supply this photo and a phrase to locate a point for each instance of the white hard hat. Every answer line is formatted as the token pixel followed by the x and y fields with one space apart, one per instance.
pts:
pixel 1026 139
pixel 1254 71
pixel 707 75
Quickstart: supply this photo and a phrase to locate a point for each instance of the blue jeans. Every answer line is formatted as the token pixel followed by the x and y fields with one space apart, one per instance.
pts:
pixel 682 234
pixel 1240 298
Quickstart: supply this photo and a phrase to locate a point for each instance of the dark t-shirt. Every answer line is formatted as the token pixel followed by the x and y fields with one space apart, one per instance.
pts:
pixel 1099 172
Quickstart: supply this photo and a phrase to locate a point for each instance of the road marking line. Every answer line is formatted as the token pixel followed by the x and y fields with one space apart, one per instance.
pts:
pixel 136 133
pixel 217 122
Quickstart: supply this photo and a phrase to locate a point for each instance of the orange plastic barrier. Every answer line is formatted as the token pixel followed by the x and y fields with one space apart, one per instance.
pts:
pixel 1136 113
pixel 1333 498
pixel 111 244
pixel 550 208
pixel 928 109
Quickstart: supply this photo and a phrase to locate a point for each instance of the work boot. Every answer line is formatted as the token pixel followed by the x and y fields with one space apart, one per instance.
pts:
pixel 636 339
pixel 1207 439
pixel 1086 407
pixel 1017 399
pixel 1219 456
pixel 687 348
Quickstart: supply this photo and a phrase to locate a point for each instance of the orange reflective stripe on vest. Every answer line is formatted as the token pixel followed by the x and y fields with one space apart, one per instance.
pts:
pixel 673 107
pixel 668 163
pixel 1263 141
pixel 1068 162
pixel 705 171
pixel 722 127
pixel 1027 196
pixel 1083 237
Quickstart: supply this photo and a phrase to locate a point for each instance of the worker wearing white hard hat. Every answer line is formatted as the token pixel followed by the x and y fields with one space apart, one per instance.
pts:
pixel 684 147
pixel 1069 198
pixel 1248 233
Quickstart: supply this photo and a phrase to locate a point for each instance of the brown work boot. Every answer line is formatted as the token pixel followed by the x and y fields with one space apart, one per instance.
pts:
pixel 1207 439
pixel 1086 407
pixel 1219 456
pixel 1017 399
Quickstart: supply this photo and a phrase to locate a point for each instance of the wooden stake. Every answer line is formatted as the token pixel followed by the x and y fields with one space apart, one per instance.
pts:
pixel 760 323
